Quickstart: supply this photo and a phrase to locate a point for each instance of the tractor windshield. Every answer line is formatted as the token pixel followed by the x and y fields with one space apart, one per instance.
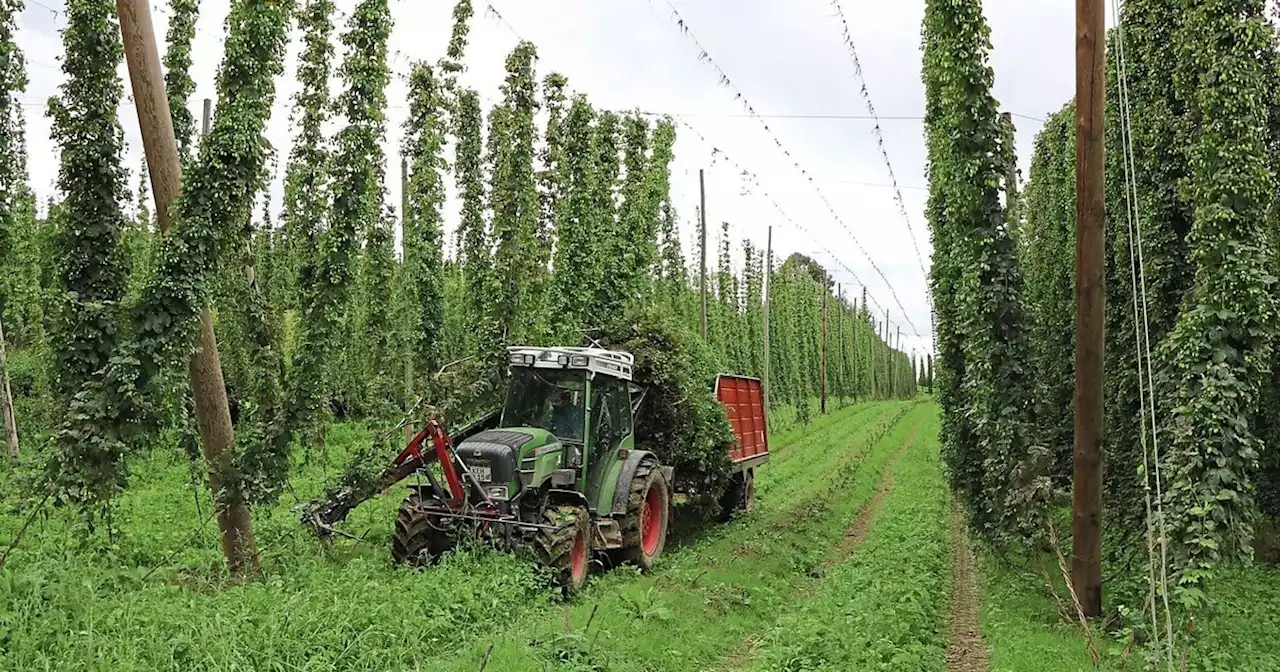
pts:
pixel 550 399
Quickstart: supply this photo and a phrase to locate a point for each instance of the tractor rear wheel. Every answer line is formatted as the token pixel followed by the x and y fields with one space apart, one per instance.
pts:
pixel 644 529
pixel 564 545
pixel 418 530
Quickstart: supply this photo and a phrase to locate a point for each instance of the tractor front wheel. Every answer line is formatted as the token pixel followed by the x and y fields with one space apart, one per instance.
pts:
pixel 563 545
pixel 644 530
pixel 418 531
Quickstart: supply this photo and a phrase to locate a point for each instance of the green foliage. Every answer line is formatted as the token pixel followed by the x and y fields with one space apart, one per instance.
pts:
pixel 1159 127
pixel 632 245
pixel 356 174
pixel 178 83
pixel 374 331
pixel 451 65
pixel 306 179
pixel 681 420
pixel 17 211
pixel 578 263
pixel 474 243
pixel 519 268
pixel 1048 245
pixel 85 127
pixel 136 238
pixel 604 213
pixel 423 240
pixel 87 465
pixel 1220 345
pixel 977 282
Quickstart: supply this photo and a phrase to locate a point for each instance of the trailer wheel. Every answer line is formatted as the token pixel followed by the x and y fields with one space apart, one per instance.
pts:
pixel 564 546
pixel 644 529
pixel 740 495
pixel 418 532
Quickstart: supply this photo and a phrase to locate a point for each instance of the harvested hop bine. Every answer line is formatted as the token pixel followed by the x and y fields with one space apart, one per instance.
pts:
pixel 679 419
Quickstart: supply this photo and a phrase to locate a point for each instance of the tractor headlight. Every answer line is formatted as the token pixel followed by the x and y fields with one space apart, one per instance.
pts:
pixel 497 491
pixel 563 360
pixel 580 360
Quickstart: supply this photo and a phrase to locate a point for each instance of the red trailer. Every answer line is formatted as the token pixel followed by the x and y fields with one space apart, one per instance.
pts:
pixel 743 400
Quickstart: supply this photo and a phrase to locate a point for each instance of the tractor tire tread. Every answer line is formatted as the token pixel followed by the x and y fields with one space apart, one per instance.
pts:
pixel 414 533
pixel 632 536
pixel 553 547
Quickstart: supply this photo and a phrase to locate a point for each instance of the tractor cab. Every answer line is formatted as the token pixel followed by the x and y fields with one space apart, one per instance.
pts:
pixel 581 396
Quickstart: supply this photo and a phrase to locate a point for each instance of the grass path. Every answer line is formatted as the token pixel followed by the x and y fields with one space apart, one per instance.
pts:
pixel 718 592
pixel 883 607
pixel 966 650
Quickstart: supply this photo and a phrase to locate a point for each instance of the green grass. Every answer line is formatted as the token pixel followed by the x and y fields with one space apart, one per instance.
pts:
pixel 882 608
pixel 1022 626
pixel 759 593
pixel 91 605
pixel 712 595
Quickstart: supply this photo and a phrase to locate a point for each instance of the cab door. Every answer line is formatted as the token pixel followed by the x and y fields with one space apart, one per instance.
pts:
pixel 609 428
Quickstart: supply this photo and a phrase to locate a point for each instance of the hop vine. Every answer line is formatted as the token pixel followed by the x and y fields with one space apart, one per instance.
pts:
pixel 177 71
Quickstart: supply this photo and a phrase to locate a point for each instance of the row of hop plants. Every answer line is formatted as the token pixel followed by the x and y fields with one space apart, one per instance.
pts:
pixel 1193 153
pixel 567 235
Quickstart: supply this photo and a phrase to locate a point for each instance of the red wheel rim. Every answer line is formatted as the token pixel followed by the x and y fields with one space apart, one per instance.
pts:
pixel 578 558
pixel 652 521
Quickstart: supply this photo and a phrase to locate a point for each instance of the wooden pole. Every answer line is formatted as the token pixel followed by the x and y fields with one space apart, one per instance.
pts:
pixel 871 365
pixel 6 401
pixel 408 356
pixel 768 299
pixel 1086 561
pixel 1011 173
pixel 897 347
pixel 840 377
pixel 888 352
pixel 857 356
pixel 702 228
pixel 822 380
pixel 208 388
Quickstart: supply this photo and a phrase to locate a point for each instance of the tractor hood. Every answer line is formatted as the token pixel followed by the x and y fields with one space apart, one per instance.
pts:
pixel 503 454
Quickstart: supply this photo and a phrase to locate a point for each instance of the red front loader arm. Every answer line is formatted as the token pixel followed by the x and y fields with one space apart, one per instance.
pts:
pixel 412 458
pixel 322 514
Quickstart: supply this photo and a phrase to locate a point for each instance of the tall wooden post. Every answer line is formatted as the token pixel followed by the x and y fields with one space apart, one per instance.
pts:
pixel 840 371
pixel 6 401
pixel 871 364
pixel 408 356
pixel 897 348
pixel 857 356
pixel 213 416
pixel 1086 561
pixel 702 232
pixel 888 353
pixel 822 380
pixel 768 299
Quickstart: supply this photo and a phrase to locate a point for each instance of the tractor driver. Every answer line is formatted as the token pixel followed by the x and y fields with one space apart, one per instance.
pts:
pixel 566 417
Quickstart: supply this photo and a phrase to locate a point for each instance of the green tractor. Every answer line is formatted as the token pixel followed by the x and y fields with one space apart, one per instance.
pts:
pixel 560 475
pixel 556 472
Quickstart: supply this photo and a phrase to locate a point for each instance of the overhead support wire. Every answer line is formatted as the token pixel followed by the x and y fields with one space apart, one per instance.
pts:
pixel 754 180
pixel 738 95
pixel 884 153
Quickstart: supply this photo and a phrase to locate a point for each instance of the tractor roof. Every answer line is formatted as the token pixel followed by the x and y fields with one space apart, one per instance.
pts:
pixel 613 363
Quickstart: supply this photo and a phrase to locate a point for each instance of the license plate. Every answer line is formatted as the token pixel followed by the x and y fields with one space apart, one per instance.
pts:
pixel 482 474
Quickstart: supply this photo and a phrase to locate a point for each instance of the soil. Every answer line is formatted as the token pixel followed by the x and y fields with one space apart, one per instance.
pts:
pixel 966 650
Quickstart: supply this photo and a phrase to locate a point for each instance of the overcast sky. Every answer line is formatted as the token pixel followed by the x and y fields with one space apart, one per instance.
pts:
pixel 786 57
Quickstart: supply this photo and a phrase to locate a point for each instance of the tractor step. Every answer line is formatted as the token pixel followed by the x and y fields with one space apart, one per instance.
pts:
pixel 608 534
